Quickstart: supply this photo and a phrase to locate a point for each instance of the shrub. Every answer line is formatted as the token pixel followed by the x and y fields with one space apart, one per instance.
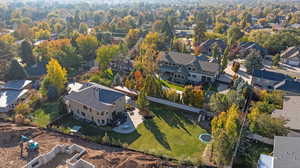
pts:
pixel 235 67
pixel 19 118
pixel 105 139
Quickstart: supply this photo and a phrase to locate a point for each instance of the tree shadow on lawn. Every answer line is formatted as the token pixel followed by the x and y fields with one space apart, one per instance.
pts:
pixel 160 136
pixel 172 116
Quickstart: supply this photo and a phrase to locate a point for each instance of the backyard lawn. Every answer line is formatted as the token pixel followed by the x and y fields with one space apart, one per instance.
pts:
pixel 172 85
pixel 208 87
pixel 45 114
pixel 169 134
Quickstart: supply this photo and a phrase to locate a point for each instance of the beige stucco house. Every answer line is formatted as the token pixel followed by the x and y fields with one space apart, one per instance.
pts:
pixel 95 103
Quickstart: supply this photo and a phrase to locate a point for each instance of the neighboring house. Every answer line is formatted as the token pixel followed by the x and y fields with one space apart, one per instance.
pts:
pixel 95 103
pixel 290 111
pixel 291 56
pixel 207 46
pixel 124 66
pixel 246 47
pixel 286 154
pixel 186 69
pixel 12 92
pixel 38 42
pixel 295 26
pixel 268 79
pixel 184 33
pixel 291 88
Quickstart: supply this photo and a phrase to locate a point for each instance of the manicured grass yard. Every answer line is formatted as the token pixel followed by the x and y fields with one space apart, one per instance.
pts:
pixel 172 85
pixel 46 113
pixel 169 134
pixel 210 87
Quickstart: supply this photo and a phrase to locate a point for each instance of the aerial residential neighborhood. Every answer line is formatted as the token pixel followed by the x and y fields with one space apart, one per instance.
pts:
pixel 149 84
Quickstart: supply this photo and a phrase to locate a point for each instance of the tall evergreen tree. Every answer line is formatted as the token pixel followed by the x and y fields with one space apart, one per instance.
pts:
pixel 26 53
pixel 15 71
pixel 199 33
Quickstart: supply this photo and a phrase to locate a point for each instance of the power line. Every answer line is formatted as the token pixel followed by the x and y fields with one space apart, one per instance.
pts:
pixel 245 110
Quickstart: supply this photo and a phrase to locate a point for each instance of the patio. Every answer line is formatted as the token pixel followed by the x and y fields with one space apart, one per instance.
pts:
pixel 133 120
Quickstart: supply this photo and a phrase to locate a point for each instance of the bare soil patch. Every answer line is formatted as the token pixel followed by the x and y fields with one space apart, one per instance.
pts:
pixel 99 155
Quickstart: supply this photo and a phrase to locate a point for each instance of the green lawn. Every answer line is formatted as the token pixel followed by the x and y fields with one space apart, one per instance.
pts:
pixel 172 85
pixel 207 87
pixel 45 114
pixel 169 134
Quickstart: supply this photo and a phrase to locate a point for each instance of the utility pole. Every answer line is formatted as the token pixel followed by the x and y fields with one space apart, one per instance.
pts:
pixel 245 112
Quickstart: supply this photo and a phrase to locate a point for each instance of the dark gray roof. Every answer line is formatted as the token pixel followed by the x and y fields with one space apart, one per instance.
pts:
pixel 270 75
pixel 253 45
pixel 109 96
pixel 16 84
pixel 290 86
pixel 188 59
pixel 209 43
pixel 96 96
pixel 286 152
pixel 291 52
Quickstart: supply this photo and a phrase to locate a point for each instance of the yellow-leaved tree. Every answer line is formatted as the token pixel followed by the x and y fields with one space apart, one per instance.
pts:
pixel 55 80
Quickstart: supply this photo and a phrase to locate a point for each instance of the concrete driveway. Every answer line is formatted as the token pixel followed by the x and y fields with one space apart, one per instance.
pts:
pixel 133 120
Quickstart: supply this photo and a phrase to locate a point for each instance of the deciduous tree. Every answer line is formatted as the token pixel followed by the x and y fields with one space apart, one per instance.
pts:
pixel 105 54
pixel 56 77
pixel 87 45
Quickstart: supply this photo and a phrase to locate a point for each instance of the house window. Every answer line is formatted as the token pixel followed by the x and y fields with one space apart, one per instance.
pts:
pixel 189 68
pixel 84 107
pixel 93 118
pixel 189 75
pixel 103 121
pixel 194 69
pixel 106 113
pixel 102 113
pixel 194 76
pixel 83 114
pixel 98 113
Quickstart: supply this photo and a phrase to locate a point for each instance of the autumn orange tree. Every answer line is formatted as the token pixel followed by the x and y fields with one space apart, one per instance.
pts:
pixel 193 96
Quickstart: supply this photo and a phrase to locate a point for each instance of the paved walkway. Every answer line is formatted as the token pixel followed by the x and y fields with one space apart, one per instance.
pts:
pixel 179 106
pixel 131 124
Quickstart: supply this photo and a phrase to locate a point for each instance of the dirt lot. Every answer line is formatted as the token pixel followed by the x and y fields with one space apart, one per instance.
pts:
pixel 99 155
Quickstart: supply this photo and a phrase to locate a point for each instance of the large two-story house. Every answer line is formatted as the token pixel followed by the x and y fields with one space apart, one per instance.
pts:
pixel 95 103
pixel 186 69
